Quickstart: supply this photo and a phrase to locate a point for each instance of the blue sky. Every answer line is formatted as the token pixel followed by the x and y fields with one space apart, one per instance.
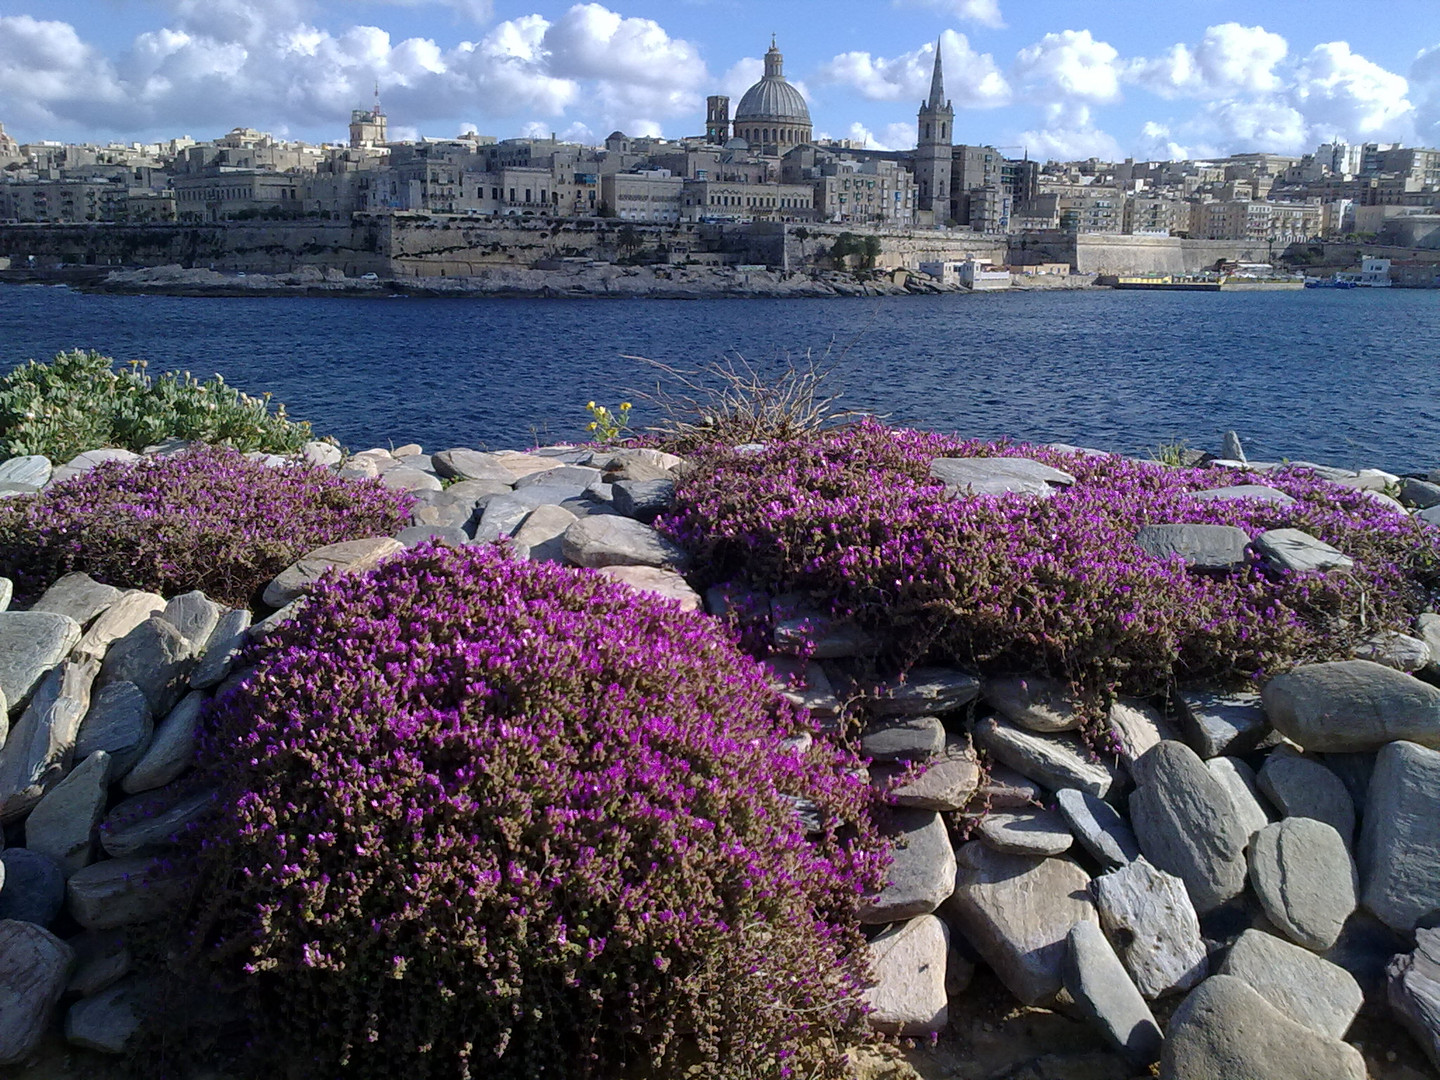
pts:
pixel 1142 78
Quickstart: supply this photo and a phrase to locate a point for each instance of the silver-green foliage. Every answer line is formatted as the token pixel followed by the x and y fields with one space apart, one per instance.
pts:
pixel 79 402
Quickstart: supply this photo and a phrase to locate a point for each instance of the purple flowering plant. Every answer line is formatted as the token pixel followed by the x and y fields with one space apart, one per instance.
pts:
pixel 208 519
pixel 488 818
pixel 1055 585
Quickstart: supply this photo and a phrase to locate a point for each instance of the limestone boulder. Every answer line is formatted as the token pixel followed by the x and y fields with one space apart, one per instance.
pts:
pixel 1399 848
pixel 351 556
pixel 1099 827
pixel 996 476
pixel 1352 705
pixel 666 584
pixel 77 595
pixel 34 966
pixel 128 611
pixel 156 659
pixel 1301 872
pixel 1239 780
pixel 1149 919
pixel 1302 787
pixel 1413 989
pixel 1034 703
pixel 41 747
pixel 221 648
pixel 32 643
pixel 110 1020
pixel 1027 832
pixel 1200 547
pixel 619 541
pixel 1300 553
pixel 65 824
pixel 1308 989
pixel 123 892
pixel 1103 992
pixel 909 962
pixel 1218 722
pixel 912 739
pixel 195 615
pixel 925 691
pixel 1055 761
pixel 921 874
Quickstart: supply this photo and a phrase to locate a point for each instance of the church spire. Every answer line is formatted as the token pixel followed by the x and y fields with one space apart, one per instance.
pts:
pixel 937 81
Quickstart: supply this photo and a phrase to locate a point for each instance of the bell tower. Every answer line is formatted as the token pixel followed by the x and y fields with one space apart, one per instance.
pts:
pixel 932 154
pixel 717 119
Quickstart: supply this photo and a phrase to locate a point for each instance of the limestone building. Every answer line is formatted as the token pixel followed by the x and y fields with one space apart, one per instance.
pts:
pixel 933 151
pixel 772 117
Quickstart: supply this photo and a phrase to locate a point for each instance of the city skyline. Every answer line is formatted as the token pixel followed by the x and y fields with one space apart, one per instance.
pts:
pixel 1041 78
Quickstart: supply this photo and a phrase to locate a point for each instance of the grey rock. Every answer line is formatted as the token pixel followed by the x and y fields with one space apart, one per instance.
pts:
pixel 31 643
pixel 1101 989
pixel 32 469
pixel 148 823
pixel 812 633
pixel 925 691
pixel 473 492
pixel 1299 552
pixel 1300 787
pixel 83 463
pixel 156 658
pixel 238 677
pixel 403 479
pixel 1398 651
pixel 350 556
pixel 224 644
pixel 443 509
pixel 803 683
pixel 1018 911
pixel 1413 990
pixel 77 595
pixel 1399 849
pixel 7 592
pixel 1036 704
pixel 541 536
pixel 665 584
pixel 34 888
pixel 102 958
pixel 922 873
pixel 1307 989
pixel 1354 771
pixel 908 962
pixel 269 625
pixel 997 476
pixel 1226 1031
pixel 1056 761
pixel 1099 827
pixel 34 966
pixel 39 750
pixel 475 465
pixel 1185 822
pixel 65 824
pixel 195 615
pixel 1002 788
pixel 1230 448
pixel 1352 705
pixel 1427 626
pixel 501 516
pixel 577 477
pixel 1243 491
pixel 321 454
pixel 619 541
pixel 1218 722
pixel 1421 494
pixel 447 535
pixel 120 722
pixel 945 782
pixel 643 500
pixel 108 1021
pixel 917 738
pixel 1201 547
pixel 1365 948
pixel 1148 917
pixel 122 892
pixel 9 490
pixel 119 619
pixel 1302 875
pixel 1027 832
pixel 1137 726
pixel 172 747
pixel 1239 780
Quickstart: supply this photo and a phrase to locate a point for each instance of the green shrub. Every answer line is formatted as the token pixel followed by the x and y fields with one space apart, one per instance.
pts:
pixel 79 402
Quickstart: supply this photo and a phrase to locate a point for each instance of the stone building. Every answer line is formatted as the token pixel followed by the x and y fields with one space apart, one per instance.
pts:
pixel 933 152
pixel 772 117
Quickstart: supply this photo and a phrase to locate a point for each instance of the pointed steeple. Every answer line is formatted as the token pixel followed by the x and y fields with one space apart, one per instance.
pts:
pixel 937 82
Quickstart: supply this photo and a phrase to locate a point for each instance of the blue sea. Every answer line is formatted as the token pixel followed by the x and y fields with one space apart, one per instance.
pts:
pixel 1348 378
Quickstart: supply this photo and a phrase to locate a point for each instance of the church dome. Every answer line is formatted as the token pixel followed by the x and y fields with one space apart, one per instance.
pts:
pixel 772 98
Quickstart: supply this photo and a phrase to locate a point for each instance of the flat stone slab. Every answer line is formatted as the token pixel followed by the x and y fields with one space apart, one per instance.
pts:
pixel 1226 1031
pixel 148 823
pixel 1413 991
pixel 350 556
pixel 171 750
pixel 1032 702
pixel 1017 911
pixel 120 722
pixel 221 649
pixel 109 1020
pixel 1137 726
pixel 1243 491
pixel 1147 915
pixel 78 595
pixel 32 469
pixel 800 682
pixel 34 967
pixel 1239 780
pixel 1299 552
pixel 809 632
pixel 39 749
pixel 1002 788
pixel 31 643
pixel 925 691
pixel 448 535
pixel 1099 827
pixel 1302 875
pixel 605 540
pixel 1306 988
pixel 1218 722
pixel 1102 990
pixel 1027 832
pixel 1399 848
pixel 155 657
pixel 666 584
pixel 643 500
pixel 922 873
pixel 1399 651
pixel 34 886
pixel 102 958
pixel 946 782
pixel 1301 787
pixel 1056 761
pixel 1200 547
pixel 908 961
pixel 1185 822
pixel 122 892
pixel 195 615
pixel 404 479
pixel 65 824
pixel 478 465
pixel 916 738
pixel 540 537
pixel 83 463
pixel 997 476
pixel 1352 705
pixel 119 619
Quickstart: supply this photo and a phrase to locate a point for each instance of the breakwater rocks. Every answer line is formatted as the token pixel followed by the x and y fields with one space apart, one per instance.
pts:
pixel 1223 892
pixel 580 279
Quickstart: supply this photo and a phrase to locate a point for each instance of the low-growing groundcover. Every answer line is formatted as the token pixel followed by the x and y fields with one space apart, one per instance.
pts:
pixel 1053 585
pixel 208 518
pixel 485 818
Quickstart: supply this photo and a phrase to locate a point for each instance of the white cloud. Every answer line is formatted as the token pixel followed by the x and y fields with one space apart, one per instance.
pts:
pixel 1069 134
pixel 1425 83
pixel 48 75
pixel 1342 93
pixel 1070 66
pixel 984 12
pixel 894 137
pixel 478 11
pixel 1229 59
pixel 972 79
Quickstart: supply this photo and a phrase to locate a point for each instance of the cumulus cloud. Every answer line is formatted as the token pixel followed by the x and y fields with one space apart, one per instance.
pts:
pixel 1229 59
pixel 48 75
pixel 1342 93
pixel 984 12
pixel 478 11
pixel 1070 133
pixel 1070 66
pixel 893 137
pixel 1425 82
pixel 973 79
